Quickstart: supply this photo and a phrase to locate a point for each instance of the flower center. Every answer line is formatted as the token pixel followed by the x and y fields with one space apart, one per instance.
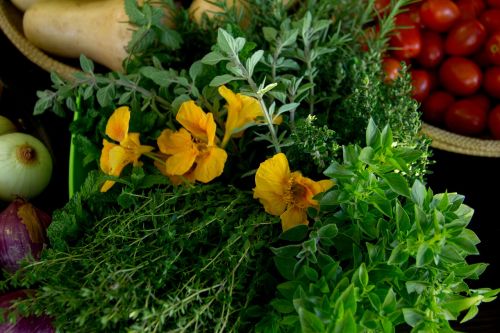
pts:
pixel 294 191
pixel 201 146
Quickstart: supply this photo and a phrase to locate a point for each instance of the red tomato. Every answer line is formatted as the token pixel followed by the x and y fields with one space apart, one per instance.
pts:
pixel 465 38
pixel 391 68
pixel 405 40
pixel 492 48
pixel 421 82
pixel 491 82
pixel 494 122
pixel 460 76
pixel 432 50
pixel 470 9
pixel 434 80
pixel 481 100
pixel 414 13
pixel 491 20
pixel 493 3
pixel 439 15
pixel 481 58
pixel 465 117
pixel 435 106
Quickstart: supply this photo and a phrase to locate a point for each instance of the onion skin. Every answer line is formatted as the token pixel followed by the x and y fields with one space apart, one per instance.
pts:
pixel 22 234
pixel 25 164
pixel 31 324
pixel 6 126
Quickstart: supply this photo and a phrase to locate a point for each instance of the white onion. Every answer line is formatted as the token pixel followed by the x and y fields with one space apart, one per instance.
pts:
pixel 25 166
pixel 6 126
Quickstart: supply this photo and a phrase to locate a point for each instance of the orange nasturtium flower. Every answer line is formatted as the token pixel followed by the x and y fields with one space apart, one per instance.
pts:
pixel 192 151
pixel 286 194
pixel 242 112
pixel 114 157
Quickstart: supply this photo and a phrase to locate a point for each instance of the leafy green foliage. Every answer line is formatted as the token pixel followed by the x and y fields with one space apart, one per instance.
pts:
pixel 183 259
pixel 296 61
pixel 381 254
pixel 312 143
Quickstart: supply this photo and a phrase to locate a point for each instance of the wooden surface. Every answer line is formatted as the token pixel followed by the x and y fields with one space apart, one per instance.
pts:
pixel 478 178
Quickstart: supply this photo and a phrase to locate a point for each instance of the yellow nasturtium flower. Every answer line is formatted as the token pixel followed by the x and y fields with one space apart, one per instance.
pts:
pixel 115 157
pixel 286 194
pixel 192 151
pixel 241 111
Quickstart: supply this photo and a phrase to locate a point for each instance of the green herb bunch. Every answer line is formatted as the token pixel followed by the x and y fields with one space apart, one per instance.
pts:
pixel 186 259
pixel 382 252
pixel 382 255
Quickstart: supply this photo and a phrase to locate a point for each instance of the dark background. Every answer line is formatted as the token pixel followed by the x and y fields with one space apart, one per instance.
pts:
pixel 477 178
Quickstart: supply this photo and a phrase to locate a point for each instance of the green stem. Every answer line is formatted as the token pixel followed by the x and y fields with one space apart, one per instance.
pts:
pixel 91 81
pixel 155 157
pixel 267 116
pixel 307 57
pixel 144 92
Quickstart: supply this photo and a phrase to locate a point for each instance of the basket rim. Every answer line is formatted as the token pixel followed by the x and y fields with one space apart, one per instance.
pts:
pixel 456 143
pixel 11 25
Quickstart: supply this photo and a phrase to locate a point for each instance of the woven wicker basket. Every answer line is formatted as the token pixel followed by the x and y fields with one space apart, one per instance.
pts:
pixel 460 144
pixel 12 26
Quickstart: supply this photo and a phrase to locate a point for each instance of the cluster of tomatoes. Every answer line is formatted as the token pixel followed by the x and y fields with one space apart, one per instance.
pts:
pixel 453 52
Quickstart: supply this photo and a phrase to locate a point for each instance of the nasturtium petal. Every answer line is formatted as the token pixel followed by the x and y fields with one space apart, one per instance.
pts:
pixel 325 185
pixel 194 119
pixel 133 144
pixel 211 127
pixel 118 124
pixel 210 164
pixel 271 184
pixel 117 161
pixel 273 203
pixel 251 108
pixel 185 178
pixel 229 96
pixel 170 142
pixel 104 159
pixel 273 174
pixel 119 157
pixel 293 217
pixel 242 111
pixel 180 163
pixel 107 185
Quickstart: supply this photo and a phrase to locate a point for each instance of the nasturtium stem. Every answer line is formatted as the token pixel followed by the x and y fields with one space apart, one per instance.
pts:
pixel 155 157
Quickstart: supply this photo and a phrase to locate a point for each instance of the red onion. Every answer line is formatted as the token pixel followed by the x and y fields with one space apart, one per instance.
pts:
pixel 22 233
pixel 31 324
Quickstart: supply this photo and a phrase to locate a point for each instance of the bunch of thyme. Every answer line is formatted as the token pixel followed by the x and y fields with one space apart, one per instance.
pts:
pixel 187 259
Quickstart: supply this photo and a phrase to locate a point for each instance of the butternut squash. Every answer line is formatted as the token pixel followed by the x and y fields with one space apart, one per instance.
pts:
pixel 99 29
pixel 200 7
pixel 22 5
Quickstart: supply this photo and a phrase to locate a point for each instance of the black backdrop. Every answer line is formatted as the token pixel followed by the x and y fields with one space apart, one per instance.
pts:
pixel 477 178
